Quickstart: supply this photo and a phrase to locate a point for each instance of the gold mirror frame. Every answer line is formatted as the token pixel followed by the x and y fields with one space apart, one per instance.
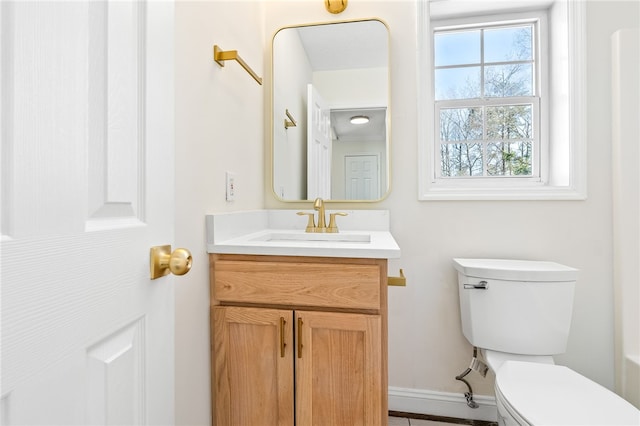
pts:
pixel 290 121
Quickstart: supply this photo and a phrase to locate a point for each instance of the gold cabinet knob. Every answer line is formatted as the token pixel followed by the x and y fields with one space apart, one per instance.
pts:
pixel 163 261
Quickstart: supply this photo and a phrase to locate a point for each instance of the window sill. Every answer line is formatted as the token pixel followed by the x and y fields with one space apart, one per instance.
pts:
pixel 442 192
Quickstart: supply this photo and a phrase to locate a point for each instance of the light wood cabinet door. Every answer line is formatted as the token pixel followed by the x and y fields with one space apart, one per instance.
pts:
pixel 252 381
pixel 338 369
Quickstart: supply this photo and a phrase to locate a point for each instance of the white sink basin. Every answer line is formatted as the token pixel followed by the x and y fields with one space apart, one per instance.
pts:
pixel 306 236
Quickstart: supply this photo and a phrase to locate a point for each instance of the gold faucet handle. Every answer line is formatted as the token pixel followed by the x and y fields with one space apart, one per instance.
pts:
pixel 333 228
pixel 311 224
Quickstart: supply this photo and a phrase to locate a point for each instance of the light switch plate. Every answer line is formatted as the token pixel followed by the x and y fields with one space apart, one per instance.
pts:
pixel 231 186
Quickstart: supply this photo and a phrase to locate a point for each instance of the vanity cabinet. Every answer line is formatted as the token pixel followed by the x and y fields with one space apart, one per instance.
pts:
pixel 298 340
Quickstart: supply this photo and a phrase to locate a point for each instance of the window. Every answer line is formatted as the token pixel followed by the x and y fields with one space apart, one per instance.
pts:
pixel 486 101
pixel 488 84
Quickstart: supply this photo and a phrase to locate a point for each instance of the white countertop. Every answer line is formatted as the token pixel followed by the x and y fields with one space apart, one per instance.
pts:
pixel 363 234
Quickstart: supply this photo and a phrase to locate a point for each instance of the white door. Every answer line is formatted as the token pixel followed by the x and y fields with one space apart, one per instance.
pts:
pixel 362 177
pixel 87 188
pixel 318 146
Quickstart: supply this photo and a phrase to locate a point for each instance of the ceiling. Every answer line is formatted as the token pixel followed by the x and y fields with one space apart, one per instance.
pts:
pixel 362 44
pixel 374 130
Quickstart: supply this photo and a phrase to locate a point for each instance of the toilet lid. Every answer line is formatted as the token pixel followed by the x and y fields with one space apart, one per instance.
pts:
pixel 544 394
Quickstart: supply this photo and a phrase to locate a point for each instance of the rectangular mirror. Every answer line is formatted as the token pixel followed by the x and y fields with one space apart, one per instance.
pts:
pixel 325 78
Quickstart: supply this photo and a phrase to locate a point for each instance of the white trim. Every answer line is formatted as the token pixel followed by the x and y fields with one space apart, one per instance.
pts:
pixel 578 95
pixel 522 193
pixel 420 401
pixel 426 109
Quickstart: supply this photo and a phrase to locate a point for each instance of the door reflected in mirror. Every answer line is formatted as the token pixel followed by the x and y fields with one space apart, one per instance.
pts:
pixel 326 76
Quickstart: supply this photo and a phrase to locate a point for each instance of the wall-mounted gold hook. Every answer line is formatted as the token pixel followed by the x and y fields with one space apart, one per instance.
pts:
pixel 291 122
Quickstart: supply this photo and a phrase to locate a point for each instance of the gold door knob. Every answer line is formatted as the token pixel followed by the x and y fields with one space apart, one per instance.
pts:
pixel 163 261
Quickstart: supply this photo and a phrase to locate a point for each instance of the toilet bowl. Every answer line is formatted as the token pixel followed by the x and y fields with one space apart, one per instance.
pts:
pixel 532 390
pixel 518 313
pixel 529 393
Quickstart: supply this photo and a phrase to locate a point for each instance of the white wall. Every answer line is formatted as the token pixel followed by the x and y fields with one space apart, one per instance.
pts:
pixel 220 126
pixel 339 88
pixel 290 145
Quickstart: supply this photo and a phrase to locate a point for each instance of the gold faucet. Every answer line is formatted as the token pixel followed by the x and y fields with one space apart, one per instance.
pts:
pixel 333 228
pixel 318 205
pixel 322 227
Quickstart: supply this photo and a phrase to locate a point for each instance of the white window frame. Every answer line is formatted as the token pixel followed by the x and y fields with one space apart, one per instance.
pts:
pixel 559 176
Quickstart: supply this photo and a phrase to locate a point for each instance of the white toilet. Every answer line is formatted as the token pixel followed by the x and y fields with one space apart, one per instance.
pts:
pixel 518 313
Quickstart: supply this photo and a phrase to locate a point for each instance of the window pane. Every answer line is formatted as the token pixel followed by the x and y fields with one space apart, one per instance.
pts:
pixel 460 124
pixel 508 80
pixel 509 159
pixel 457 48
pixel 510 122
pixel 508 44
pixel 461 159
pixel 457 83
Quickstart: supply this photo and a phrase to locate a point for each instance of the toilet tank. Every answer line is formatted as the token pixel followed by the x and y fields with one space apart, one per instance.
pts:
pixel 516 306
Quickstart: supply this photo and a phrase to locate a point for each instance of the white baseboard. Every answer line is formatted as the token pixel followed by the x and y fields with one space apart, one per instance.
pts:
pixel 419 401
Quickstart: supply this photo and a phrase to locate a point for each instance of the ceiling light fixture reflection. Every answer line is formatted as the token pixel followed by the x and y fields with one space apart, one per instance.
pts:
pixel 359 119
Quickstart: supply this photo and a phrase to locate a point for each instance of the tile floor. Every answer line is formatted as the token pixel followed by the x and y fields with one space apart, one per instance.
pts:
pixel 406 419
pixel 403 421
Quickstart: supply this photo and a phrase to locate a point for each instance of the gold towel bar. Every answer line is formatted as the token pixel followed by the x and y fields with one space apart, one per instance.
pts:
pixel 400 281
pixel 220 56
pixel 291 122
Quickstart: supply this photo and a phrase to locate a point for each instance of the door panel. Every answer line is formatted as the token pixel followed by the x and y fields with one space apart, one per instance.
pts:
pixel 116 142
pixel 116 378
pixel 86 112
pixel 362 177
pixel 338 366
pixel 253 373
pixel 318 146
